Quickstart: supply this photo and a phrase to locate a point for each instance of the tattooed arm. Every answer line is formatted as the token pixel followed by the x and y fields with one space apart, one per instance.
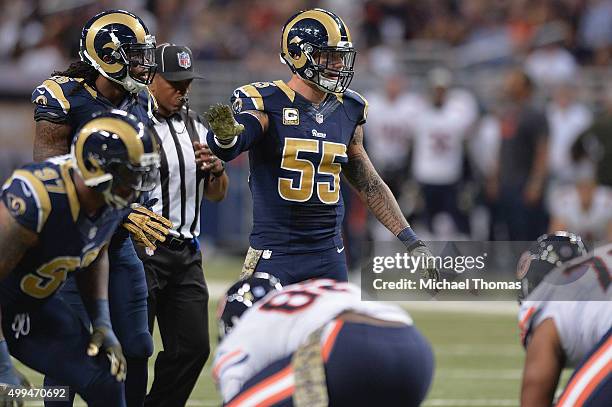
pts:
pixel 51 139
pixel 362 175
pixel 15 240
pixel 360 172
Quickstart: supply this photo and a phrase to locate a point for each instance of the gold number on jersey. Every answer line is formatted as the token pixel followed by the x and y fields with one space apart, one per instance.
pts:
pixel 328 193
pixel 47 174
pixel 47 279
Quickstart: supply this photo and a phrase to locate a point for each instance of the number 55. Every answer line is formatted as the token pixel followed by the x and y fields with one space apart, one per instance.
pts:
pixel 328 192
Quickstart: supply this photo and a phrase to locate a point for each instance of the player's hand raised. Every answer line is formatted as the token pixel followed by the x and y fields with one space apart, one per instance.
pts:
pixel 221 121
pixel 104 338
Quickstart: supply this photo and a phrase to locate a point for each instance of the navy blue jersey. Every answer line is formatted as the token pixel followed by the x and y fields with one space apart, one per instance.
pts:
pixel 71 101
pixel 42 198
pixel 295 167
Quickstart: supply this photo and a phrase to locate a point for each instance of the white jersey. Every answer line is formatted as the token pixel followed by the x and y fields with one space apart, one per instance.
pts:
pixel 439 136
pixel 590 223
pixel 278 324
pixel 578 298
pixel 565 127
pixel 387 129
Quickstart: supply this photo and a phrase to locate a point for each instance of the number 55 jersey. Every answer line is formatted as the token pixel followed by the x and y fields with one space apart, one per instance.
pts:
pixel 295 167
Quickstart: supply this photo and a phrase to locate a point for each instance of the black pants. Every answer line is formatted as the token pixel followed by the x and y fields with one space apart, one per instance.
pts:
pixel 444 198
pixel 178 297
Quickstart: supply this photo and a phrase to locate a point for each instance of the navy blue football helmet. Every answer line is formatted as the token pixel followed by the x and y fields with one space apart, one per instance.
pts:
pixel 549 251
pixel 316 44
pixel 117 156
pixel 242 296
pixel 117 44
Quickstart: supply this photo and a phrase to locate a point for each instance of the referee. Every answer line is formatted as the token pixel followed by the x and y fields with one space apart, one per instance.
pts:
pixel 178 296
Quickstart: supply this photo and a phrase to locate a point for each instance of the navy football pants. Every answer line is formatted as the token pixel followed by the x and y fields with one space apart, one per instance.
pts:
pixel 52 340
pixel 127 293
pixel 292 268
pixel 365 365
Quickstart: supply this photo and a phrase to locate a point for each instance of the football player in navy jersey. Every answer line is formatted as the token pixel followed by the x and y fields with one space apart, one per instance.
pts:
pixel 117 61
pixel 300 135
pixel 56 221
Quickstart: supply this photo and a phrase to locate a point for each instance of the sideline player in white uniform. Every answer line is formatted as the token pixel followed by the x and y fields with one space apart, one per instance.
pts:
pixel 583 208
pixel 440 132
pixel 566 321
pixel 316 344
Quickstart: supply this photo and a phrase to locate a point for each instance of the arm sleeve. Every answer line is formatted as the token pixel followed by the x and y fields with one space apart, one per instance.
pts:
pixel 50 102
pixel 27 200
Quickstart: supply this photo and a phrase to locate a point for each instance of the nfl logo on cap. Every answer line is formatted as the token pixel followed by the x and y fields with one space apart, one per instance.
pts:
pixel 184 60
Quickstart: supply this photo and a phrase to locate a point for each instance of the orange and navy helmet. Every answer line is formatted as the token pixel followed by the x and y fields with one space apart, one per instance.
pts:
pixel 547 252
pixel 118 44
pixel 317 46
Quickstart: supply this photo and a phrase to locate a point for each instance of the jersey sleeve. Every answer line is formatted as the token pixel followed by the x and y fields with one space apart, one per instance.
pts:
pixel 27 200
pixel 357 106
pixel 51 99
pixel 533 313
pixel 249 97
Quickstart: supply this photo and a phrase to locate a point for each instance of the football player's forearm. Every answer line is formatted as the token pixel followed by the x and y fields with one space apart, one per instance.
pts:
pixel 216 189
pixel 51 139
pixel 362 175
pixel 376 195
pixel 15 240
pixel 543 364
pixel 93 282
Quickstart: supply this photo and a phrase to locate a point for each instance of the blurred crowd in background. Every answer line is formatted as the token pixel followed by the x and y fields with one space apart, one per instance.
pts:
pixel 565 33
pixel 525 149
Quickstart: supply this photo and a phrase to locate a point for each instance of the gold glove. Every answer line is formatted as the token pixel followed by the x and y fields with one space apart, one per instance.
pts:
pixel 222 122
pixel 147 227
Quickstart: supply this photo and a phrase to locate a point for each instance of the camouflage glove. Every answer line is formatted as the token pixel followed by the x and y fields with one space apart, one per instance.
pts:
pixel 222 123
pixel 427 269
pixel 146 226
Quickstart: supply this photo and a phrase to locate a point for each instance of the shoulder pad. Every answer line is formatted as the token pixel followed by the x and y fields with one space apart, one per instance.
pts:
pixel 54 98
pixel 27 199
pixel 252 96
pixel 356 105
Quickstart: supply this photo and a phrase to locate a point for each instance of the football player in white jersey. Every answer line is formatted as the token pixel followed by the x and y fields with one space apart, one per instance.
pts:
pixel 316 343
pixel 583 208
pixel 566 321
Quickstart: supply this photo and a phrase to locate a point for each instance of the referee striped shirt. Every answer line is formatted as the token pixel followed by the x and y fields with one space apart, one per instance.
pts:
pixel 181 188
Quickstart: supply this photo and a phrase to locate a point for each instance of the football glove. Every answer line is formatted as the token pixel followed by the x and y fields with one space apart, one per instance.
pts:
pixel 425 269
pixel 104 337
pixel 146 226
pixel 221 121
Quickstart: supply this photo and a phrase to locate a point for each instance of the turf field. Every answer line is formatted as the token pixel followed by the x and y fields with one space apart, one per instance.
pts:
pixel 478 356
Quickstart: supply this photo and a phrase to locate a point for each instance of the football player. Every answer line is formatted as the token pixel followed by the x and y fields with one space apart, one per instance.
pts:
pixel 300 135
pixel 56 220
pixel 326 342
pixel 566 321
pixel 117 61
